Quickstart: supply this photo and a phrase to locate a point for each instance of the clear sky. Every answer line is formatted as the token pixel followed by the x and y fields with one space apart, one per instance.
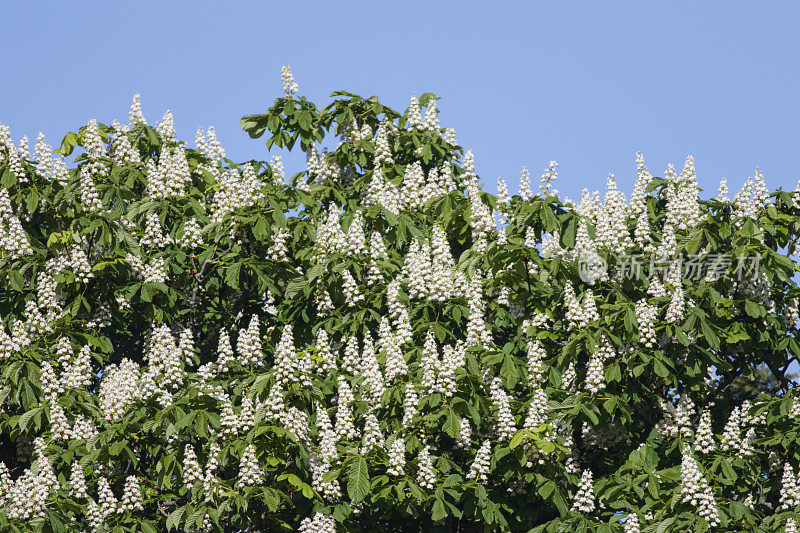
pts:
pixel 584 83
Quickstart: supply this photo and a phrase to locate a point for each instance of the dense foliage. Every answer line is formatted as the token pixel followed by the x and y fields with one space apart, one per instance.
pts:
pixel 375 343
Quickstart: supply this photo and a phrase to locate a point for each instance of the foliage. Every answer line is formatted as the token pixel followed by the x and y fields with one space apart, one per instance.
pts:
pixel 182 335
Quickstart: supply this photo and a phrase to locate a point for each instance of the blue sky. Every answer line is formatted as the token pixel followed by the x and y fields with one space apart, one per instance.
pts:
pixel 584 83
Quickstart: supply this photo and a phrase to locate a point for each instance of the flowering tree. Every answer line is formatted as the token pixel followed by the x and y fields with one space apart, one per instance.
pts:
pixel 192 344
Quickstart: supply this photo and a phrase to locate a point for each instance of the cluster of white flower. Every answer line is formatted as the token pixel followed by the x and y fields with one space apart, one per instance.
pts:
pixel 119 388
pixel 135 114
pixel 249 470
pixel 426 474
pixel 399 313
pixel 481 219
pixel 568 378
pixel 410 404
pixel 154 234
pixel 232 423
pixel 171 176
pixel 477 332
pixel 551 243
pixel 289 367
pixel 122 151
pixel 383 192
pixel 506 427
pixel 278 172
pixel 732 433
pixel 9 152
pixel 83 428
pixel 249 344
pixel 536 356
pixel 321 523
pixel 752 197
pixel 695 490
pixel 278 251
pixel 584 501
pixel 449 136
pixel 677 420
pixel 645 318
pixel 326 358
pixel 331 239
pixel 677 304
pixel 683 207
pixel 154 271
pixel 77 481
pixel 131 495
pixel 224 352
pixel 105 497
pixel 320 465
pixel 413 115
pixel 722 191
pixel 549 175
pixel 383 150
pixel 612 229
pixel 345 428
pixel 351 358
pixel 579 316
pixel 704 438
pixel 238 189
pixel 595 374
pixel 373 438
pixel 13 239
pixel 77 373
pixel 352 294
pixel 397 456
pixel 165 361
pixel 192 472
pixel 790 488
pixel 370 369
pixel 290 87
pixel 192 234
pixel 429 363
pixel 537 411
pixel 209 145
pixel 631 524
pixel 166 128
pixel 296 422
pixel 389 343
pixel 790 526
pixel 95 149
pixel 479 468
pixel 25 498
pixel 638 203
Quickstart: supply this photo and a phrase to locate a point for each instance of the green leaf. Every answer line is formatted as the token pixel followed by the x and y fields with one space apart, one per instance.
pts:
pixel 665 526
pixel 294 286
pixel 548 219
pixel 147 527
pixel 451 424
pixel 232 275
pixel 26 417
pixel 517 439
pixel 753 309
pixel 438 512
pixel 305 119
pixel 174 518
pixel 16 280
pixel 358 479
pixel 709 334
pixel 68 144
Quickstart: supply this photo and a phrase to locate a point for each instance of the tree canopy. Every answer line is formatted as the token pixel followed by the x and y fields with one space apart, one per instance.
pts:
pixel 375 343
